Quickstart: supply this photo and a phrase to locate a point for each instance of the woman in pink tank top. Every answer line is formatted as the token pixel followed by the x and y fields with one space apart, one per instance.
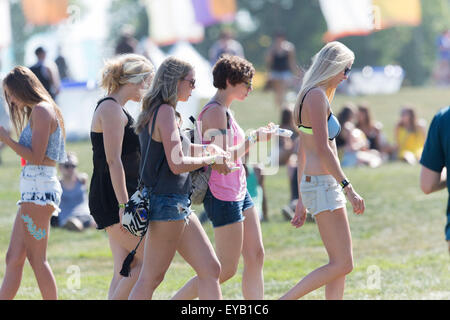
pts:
pixel 227 202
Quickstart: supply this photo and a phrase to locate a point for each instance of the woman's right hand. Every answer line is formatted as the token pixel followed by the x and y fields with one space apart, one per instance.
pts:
pixel 355 199
pixel 300 215
pixel 221 164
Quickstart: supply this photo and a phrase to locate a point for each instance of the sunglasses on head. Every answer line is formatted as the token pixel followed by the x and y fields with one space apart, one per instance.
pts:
pixel 347 71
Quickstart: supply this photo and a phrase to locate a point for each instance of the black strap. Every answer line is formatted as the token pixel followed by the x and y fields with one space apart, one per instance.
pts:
pixel 301 105
pixel 104 99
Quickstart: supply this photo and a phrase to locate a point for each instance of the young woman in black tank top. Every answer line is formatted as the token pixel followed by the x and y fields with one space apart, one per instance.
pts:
pixel 116 156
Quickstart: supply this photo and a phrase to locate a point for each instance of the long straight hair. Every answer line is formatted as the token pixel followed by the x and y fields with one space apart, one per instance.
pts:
pixel 164 89
pixel 25 86
pixel 327 63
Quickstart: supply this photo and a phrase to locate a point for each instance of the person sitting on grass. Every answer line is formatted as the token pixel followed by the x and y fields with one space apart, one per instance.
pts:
pixel 74 205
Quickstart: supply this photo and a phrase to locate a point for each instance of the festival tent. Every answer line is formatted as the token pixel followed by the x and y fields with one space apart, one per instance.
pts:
pixel 173 20
pixel 84 53
pixel 5 24
pixel 184 20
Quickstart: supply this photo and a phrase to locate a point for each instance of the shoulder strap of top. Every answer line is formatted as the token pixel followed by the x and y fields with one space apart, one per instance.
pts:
pixel 301 105
pixel 207 106
pixel 104 99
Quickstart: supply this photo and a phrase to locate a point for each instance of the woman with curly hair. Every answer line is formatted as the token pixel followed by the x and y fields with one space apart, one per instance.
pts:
pixel 227 202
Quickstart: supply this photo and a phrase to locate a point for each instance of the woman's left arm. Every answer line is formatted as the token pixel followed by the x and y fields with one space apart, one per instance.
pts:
pixel 41 121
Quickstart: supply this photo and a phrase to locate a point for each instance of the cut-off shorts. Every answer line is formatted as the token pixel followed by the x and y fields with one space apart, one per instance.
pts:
pixel 222 213
pixel 321 193
pixel 40 185
pixel 168 207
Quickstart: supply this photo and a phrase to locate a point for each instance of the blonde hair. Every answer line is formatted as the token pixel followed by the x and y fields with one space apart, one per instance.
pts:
pixel 123 69
pixel 164 89
pixel 327 63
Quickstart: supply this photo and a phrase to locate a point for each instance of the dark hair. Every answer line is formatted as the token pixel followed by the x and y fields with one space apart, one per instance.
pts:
pixel 39 50
pixel 346 113
pixel 232 68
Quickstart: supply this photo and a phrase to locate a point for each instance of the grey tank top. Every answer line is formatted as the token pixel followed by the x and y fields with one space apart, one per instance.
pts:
pixel 156 172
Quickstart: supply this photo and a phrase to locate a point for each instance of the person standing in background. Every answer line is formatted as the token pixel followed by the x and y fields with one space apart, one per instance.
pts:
pixel 46 72
pixel 225 45
pixel 282 66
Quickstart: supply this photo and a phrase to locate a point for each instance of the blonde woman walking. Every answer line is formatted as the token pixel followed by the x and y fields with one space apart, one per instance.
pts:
pixel 323 184
pixel 116 156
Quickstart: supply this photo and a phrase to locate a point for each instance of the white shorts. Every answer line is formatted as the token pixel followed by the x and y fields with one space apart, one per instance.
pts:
pixel 40 185
pixel 321 193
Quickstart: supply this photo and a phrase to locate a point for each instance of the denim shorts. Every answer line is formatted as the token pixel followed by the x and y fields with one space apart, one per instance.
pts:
pixel 321 193
pixel 40 185
pixel 281 75
pixel 222 213
pixel 168 207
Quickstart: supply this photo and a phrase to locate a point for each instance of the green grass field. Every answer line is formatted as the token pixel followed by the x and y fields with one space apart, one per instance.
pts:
pixel 399 247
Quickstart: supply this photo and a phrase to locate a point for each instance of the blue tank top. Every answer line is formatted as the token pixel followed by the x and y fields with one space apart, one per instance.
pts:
pixel 55 147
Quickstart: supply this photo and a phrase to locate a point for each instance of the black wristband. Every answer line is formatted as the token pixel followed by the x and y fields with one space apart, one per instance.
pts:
pixel 344 183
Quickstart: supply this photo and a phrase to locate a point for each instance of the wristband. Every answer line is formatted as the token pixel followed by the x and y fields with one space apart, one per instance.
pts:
pixel 344 183
pixel 252 138
pixel 205 152
pixel 122 205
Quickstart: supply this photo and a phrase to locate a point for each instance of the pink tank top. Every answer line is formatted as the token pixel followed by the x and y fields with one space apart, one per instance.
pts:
pixel 233 186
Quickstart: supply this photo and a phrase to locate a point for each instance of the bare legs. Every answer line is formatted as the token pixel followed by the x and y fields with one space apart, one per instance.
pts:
pixel 26 244
pixel 335 232
pixel 121 244
pixel 232 240
pixel 161 244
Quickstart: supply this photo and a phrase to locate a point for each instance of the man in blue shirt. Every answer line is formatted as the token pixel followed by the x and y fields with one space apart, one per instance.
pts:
pixel 436 159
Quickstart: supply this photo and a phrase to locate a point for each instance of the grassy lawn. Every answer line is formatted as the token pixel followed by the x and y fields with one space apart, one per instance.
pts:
pixel 399 246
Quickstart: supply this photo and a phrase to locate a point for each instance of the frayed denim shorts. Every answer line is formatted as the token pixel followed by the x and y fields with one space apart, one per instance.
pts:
pixel 168 207
pixel 321 193
pixel 40 185
pixel 222 213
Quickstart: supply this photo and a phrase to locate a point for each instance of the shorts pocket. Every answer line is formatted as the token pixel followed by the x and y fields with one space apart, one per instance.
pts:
pixel 309 199
pixel 335 195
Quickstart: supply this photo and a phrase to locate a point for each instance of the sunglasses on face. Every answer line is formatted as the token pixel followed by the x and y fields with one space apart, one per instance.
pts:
pixel 347 71
pixel 192 82
pixel 248 84
pixel 69 166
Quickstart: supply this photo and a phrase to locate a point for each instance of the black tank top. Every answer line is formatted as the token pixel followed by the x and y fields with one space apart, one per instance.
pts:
pixel 280 61
pixel 37 70
pixel 102 199
pixel 157 174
